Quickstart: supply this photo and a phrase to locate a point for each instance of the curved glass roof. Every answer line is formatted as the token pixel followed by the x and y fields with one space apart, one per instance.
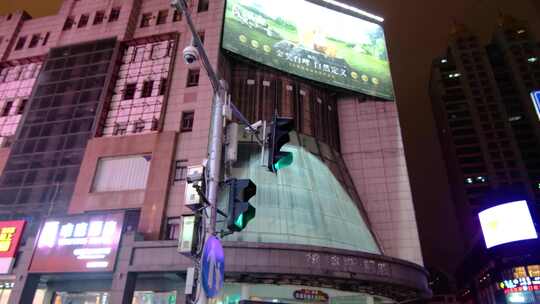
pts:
pixel 305 203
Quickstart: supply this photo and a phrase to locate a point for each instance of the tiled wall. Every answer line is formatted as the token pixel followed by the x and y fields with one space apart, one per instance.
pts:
pixel 16 84
pixel 373 151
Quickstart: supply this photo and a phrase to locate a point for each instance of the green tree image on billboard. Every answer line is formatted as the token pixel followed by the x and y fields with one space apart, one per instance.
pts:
pixel 310 41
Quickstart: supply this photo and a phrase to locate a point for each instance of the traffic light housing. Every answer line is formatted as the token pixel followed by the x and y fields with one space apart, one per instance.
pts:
pixel 279 136
pixel 240 210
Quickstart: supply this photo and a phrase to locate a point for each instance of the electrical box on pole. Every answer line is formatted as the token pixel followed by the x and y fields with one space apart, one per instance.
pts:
pixel 189 235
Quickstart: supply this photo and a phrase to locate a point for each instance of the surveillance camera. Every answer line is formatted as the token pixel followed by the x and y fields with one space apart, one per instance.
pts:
pixel 191 54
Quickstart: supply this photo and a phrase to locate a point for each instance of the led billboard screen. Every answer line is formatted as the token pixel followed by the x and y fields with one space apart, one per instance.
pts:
pixel 82 243
pixel 310 41
pixel 507 223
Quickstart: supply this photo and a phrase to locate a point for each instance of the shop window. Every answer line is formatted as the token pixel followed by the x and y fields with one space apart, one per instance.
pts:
pixel 187 121
pixel 7 108
pixel 115 14
pixel 98 19
pixel 145 20
pixel 147 88
pixel 22 106
pixel 193 78
pixel 173 228
pixel 177 16
pixel 34 40
pixel 46 39
pixel 519 272
pixel 162 86
pixel 162 17
pixel 68 24
pixel 20 43
pixel 121 173
pixel 129 91
pixel 203 6
pixel 180 170
pixel 83 21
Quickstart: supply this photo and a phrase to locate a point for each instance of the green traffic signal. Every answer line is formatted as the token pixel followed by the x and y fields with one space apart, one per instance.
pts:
pixel 285 161
pixel 278 137
pixel 240 210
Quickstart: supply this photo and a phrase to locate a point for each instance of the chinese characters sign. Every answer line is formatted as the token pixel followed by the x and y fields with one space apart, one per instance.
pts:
pixel 520 284
pixel 10 236
pixel 78 244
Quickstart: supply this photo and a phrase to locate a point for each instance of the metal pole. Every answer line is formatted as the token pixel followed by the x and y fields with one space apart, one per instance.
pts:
pixel 215 144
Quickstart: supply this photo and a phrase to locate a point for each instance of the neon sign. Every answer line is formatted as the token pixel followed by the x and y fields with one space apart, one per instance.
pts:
pixel 78 243
pixel 10 236
pixel 520 284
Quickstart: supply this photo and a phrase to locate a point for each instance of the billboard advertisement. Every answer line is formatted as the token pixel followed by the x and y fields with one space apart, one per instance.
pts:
pixel 10 237
pixel 310 41
pixel 507 223
pixel 83 243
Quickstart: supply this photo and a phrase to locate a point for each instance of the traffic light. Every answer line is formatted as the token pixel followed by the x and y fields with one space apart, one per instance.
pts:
pixel 279 136
pixel 240 210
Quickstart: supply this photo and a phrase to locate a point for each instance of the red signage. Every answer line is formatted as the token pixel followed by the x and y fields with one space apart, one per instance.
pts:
pixel 83 243
pixel 311 295
pixel 10 236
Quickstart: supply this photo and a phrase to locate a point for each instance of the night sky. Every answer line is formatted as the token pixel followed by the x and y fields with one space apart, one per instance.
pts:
pixel 417 31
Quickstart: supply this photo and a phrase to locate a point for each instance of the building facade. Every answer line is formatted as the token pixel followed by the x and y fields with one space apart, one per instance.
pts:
pixel 100 118
pixel 489 132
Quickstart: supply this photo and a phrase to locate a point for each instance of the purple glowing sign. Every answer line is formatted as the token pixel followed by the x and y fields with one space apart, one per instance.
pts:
pixel 78 243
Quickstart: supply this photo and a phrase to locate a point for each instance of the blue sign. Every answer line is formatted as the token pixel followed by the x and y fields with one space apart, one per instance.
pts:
pixel 536 100
pixel 213 267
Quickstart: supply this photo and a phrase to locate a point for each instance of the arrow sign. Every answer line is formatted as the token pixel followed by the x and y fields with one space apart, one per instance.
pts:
pixel 213 267
pixel 536 101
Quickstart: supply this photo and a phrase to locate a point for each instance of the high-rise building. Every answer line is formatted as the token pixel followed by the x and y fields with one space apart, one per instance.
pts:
pixel 100 118
pixel 489 132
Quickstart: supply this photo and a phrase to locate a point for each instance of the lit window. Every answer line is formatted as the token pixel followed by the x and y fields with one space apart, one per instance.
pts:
pixel 521 31
pixel 444 60
pixel 469 180
pixel 481 179
pixel 532 59
pixel 534 270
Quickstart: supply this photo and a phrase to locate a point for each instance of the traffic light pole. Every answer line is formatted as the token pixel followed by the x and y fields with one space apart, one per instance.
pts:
pixel 215 142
